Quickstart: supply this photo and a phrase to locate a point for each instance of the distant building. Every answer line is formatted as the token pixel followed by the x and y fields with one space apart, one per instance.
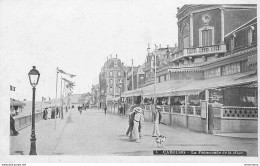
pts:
pixel 16 106
pixel 111 80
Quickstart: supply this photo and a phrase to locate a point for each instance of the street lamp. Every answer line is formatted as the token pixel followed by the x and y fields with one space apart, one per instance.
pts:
pixel 120 83
pixel 34 76
pixel 120 86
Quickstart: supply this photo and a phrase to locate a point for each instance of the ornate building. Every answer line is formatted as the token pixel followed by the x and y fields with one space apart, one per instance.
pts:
pixel 112 80
pixel 215 62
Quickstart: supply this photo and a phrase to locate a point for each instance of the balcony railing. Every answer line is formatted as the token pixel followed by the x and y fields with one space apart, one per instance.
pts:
pixel 187 52
pixel 239 112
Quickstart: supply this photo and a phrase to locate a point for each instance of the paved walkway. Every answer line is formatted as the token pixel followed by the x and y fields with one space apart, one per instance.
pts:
pixel 46 137
pixel 94 133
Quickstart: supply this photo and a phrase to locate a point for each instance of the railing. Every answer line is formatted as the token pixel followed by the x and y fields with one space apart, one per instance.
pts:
pixel 199 51
pixel 23 121
pixel 175 109
pixel 239 112
pixel 194 110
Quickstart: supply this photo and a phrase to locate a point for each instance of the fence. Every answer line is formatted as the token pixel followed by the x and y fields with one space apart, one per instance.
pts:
pixel 232 119
pixel 23 121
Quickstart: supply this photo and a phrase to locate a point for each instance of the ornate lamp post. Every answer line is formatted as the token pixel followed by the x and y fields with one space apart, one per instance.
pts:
pixel 34 76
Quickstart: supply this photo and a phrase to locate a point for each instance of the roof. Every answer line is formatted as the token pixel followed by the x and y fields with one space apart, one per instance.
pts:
pixel 16 103
pixel 188 87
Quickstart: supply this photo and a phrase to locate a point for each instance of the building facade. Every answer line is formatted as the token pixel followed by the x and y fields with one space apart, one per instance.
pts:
pixel 111 80
pixel 215 63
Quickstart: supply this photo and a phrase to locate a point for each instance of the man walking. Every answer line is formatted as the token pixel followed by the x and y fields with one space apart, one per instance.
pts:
pixel 105 109
pixel 156 121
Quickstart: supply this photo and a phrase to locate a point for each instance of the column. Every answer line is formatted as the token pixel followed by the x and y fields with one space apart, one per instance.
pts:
pixel 222 26
pixel 186 110
pixel 191 30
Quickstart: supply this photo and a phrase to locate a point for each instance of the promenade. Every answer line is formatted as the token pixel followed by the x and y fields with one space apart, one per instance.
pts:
pixel 94 133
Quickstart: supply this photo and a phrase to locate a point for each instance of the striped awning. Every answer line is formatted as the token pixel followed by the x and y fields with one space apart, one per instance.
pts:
pixel 194 87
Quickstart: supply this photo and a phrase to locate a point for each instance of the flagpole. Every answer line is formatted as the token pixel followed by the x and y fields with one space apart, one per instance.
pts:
pixel 132 80
pixel 154 76
pixel 56 98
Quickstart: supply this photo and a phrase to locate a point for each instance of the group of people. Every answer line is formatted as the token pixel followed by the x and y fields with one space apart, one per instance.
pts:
pixel 50 112
pixel 136 117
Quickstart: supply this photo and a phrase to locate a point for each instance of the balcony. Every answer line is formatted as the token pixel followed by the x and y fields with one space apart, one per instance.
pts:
pixel 190 52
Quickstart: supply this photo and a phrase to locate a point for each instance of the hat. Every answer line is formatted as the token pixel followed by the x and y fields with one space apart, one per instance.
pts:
pixel 138 109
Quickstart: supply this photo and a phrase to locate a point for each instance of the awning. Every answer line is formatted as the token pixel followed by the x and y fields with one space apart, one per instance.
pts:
pixel 194 87
pixel 16 103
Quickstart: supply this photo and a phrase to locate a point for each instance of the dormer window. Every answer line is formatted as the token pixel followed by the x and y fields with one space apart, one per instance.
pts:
pixel 115 63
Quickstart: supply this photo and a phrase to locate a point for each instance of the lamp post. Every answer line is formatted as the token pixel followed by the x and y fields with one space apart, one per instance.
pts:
pixel 120 86
pixel 34 76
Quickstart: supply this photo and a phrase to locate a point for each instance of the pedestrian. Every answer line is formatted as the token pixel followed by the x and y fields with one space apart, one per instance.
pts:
pixel 130 123
pixel 52 112
pixel 12 126
pixel 105 109
pixel 121 110
pixel 156 120
pixel 45 114
pixel 137 118
pixel 79 109
pixel 141 121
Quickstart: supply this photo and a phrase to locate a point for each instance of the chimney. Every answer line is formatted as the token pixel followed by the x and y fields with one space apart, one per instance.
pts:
pixel 116 55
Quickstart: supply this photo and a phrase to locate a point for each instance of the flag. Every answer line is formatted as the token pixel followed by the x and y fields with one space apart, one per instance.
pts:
pixel 12 88
pixel 63 72
pixel 68 81
pixel 43 99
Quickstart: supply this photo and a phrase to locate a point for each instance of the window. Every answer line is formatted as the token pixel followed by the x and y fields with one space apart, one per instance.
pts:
pixel 111 82
pixel 115 63
pixel 185 36
pixel 206 36
pixel 111 89
pixel 165 78
pixel 111 73
pixel 246 67
pixel 119 73
pixel 212 73
pixel 231 69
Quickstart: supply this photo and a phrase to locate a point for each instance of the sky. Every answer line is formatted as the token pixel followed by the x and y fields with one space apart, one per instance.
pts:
pixel 77 36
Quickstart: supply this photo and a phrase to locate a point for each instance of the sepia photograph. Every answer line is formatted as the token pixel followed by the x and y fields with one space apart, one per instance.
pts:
pixel 128 81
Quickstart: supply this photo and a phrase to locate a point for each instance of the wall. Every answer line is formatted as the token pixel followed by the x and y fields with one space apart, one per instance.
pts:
pixel 214 22
pixel 239 125
pixel 21 122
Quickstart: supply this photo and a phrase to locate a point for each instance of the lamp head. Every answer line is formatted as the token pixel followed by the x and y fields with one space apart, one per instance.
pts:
pixel 34 76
